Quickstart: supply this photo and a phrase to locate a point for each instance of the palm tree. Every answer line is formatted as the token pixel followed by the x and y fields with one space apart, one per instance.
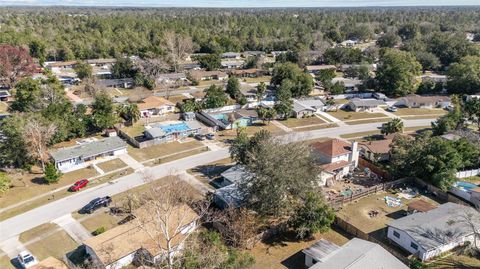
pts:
pixel 261 89
pixel 393 126
pixel 129 113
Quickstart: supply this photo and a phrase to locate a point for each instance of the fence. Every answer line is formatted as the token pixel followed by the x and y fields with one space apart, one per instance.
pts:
pixel 440 194
pixel 468 173
pixel 375 169
pixel 222 109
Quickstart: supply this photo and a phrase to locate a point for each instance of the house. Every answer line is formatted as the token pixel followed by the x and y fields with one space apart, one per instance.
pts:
pixel 278 52
pixel 355 254
pixel 315 103
pixel 101 62
pixel 125 83
pixel 200 75
pixel 229 119
pixel 171 131
pixel 228 193
pixel 350 84
pixel 301 111
pixel 171 78
pixel 247 73
pixel 418 101
pixel 420 206
pixel 337 158
pixel 231 55
pixel 58 66
pixel 49 263
pixel 357 104
pixel 4 95
pixel 379 96
pixel 123 245
pixel 232 64
pixel 429 234
pixel 376 150
pixel 247 54
pixel 467 191
pixel 349 43
pixel 155 106
pixel 250 94
pixel 80 156
pixel 315 69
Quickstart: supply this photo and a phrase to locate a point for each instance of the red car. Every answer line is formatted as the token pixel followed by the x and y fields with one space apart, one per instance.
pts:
pixel 79 185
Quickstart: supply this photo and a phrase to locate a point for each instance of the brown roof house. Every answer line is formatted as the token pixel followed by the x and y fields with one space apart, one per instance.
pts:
pixel 418 101
pixel 155 106
pixel 200 75
pixel 141 239
pixel 377 150
pixel 50 263
pixel 337 158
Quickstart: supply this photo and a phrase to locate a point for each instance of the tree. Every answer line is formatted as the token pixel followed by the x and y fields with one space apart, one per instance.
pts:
pixel 239 227
pixel 312 216
pixel 393 126
pixel 233 88
pixel 129 112
pixel 52 175
pixel 360 72
pixel 428 60
pixel 38 50
pixel 215 97
pixel 178 47
pixel 388 40
pixel 37 136
pixel 27 95
pixel 15 64
pixel 124 68
pixel 337 88
pixel 429 86
pixel 301 83
pixel 4 182
pixel 450 48
pixel 210 62
pixel 266 114
pixel 261 90
pixel 325 76
pixel 102 112
pixel 472 110
pixel 340 55
pixel 13 149
pixel 409 31
pixel 83 70
pixel 284 103
pixel 397 72
pixel 464 77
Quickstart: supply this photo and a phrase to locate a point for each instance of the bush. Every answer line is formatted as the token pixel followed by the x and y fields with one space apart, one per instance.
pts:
pixel 4 182
pixel 417 264
pixel 52 175
pixel 99 230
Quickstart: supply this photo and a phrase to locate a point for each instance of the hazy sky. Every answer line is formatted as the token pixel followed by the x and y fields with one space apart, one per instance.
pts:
pixel 242 3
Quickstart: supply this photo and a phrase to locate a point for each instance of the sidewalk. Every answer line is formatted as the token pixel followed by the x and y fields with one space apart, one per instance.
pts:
pixel 134 164
pixel 281 126
pixel 331 118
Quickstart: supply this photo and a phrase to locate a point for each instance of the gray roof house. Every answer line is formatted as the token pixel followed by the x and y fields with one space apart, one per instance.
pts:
pixel 163 132
pixel 80 156
pixel 231 55
pixel 228 194
pixel 357 104
pixel 301 110
pixel 429 234
pixel 355 254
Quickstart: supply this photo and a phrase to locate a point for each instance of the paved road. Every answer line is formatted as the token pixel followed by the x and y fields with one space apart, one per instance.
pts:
pixel 13 226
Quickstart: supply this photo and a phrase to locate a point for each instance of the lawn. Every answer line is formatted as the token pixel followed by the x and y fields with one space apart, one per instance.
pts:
pixel 40 230
pixel 360 134
pixel 55 245
pixel 316 127
pixel 161 150
pixel 350 115
pixel 5 261
pixel 134 130
pixel 357 122
pixel 251 130
pixel 112 165
pixel 177 156
pixel 204 83
pixel 357 213
pixel 454 260
pixel 286 252
pixel 294 122
pixel 419 111
pixel 265 79
pixel 177 98
pixel 101 218
pixel 3 107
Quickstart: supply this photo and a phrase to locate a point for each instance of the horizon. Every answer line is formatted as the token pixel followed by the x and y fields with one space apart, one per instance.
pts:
pixel 237 3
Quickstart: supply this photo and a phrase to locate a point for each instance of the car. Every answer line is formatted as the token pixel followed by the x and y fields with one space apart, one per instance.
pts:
pixel 26 259
pixel 79 185
pixel 210 136
pixel 96 204
pixel 392 109
pixel 200 137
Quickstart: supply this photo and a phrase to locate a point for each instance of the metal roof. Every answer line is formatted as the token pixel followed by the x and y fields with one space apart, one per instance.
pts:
pixel 89 149
pixel 321 250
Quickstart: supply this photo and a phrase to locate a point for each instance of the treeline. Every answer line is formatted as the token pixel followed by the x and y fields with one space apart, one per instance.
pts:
pixel 64 34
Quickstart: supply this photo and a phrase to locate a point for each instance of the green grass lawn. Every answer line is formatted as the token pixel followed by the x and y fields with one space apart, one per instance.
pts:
pixel 419 111
pixel 55 245
pixel 265 79
pixel 350 115
pixel 161 150
pixel 112 165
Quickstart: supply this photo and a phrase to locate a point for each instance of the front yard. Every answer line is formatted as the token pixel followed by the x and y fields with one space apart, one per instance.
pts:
pixel 112 165
pixel 344 115
pixel 55 245
pixel 294 122
pixel 419 112
pixel 251 130
pixel 265 79
pixel 162 150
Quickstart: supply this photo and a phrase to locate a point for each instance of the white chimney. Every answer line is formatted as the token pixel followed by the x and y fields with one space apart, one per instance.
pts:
pixel 353 158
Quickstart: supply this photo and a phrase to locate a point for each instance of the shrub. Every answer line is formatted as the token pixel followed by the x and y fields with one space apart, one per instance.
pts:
pixel 99 230
pixel 52 175
pixel 4 182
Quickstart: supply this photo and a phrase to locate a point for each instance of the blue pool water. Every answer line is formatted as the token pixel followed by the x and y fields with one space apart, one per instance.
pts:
pixel 221 117
pixel 465 185
pixel 174 128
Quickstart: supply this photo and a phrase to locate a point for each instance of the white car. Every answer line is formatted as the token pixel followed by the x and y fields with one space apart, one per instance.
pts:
pixel 392 109
pixel 26 259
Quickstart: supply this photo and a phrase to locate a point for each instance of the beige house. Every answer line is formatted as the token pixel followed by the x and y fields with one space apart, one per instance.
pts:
pixel 418 101
pixel 50 263
pixel 155 106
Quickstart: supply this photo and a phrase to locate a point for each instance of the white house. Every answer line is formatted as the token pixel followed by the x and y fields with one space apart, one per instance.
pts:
pixel 429 234
pixel 357 104
pixel 418 101
pixel 337 157
pixel 155 106
pixel 355 254
pixel 122 245
pixel 81 156
pixel 231 55
pixel 468 191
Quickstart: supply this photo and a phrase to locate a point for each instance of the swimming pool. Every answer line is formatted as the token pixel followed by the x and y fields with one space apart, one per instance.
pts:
pixel 465 185
pixel 175 128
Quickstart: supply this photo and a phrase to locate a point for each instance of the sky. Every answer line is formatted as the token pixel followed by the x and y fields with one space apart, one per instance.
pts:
pixel 241 3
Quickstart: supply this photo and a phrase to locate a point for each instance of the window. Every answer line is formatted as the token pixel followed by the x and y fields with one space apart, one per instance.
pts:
pixel 396 234
pixel 414 246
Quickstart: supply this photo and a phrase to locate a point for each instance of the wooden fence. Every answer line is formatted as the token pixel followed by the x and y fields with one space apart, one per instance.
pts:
pixel 362 163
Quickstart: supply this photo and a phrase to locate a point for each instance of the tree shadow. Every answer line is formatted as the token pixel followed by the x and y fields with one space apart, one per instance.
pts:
pixel 39 181
pixel 397 214
pixel 296 261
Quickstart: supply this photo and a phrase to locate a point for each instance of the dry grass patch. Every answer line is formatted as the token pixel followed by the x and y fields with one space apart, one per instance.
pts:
pixel 357 122
pixel 101 218
pixel 251 130
pixel 316 127
pixel 5 261
pixel 112 165
pixel 55 245
pixel 360 134
pixel 419 111
pixel 134 130
pixel 453 260
pixel 3 107
pixel 350 115
pixel 177 98
pixel 158 151
pixel 257 79
pixel 293 122
pixel 177 156
pixel 38 231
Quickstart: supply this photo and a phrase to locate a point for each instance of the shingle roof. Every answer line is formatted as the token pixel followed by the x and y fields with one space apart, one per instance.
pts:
pixel 330 167
pixel 332 147
pixel 377 146
pixel 438 226
pixel 320 67
pixel 154 102
pixel 236 173
pixel 360 254
pixel 414 98
pixel 298 107
pixel 50 263
pixel 89 149
pixel 367 102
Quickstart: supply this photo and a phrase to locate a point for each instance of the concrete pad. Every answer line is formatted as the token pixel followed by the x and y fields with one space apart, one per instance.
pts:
pixel 134 164
pixel 12 247
pixel 194 182
pixel 73 228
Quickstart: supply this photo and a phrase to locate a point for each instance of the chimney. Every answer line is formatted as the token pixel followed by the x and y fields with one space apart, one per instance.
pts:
pixel 354 155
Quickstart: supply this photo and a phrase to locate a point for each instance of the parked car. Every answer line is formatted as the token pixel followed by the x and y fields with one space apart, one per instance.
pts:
pixel 96 204
pixel 26 259
pixel 392 109
pixel 200 137
pixel 79 185
pixel 210 136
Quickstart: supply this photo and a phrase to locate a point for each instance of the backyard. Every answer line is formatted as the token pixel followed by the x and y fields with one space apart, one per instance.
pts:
pixel 454 260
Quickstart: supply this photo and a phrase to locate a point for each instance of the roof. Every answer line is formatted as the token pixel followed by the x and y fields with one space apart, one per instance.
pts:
pixel 414 98
pixel 377 146
pixel 154 102
pixel 367 102
pixel 122 240
pixel 360 254
pixel 333 147
pixel 321 250
pixel 330 167
pixel 59 64
pixel 312 102
pixel 172 76
pixel 320 67
pixel 50 263
pixel 230 54
pixel 113 82
pixel 199 74
pixel 89 149
pixel 299 106
pixel 232 63
pixel 421 206
pixel 236 174
pixel 246 113
pixel 245 71
pixel 101 61
pixel 231 195
pixel 347 82
pixel 438 226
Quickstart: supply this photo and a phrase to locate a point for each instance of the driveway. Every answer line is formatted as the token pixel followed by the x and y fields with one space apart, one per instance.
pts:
pixel 49 212
pixel 73 228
